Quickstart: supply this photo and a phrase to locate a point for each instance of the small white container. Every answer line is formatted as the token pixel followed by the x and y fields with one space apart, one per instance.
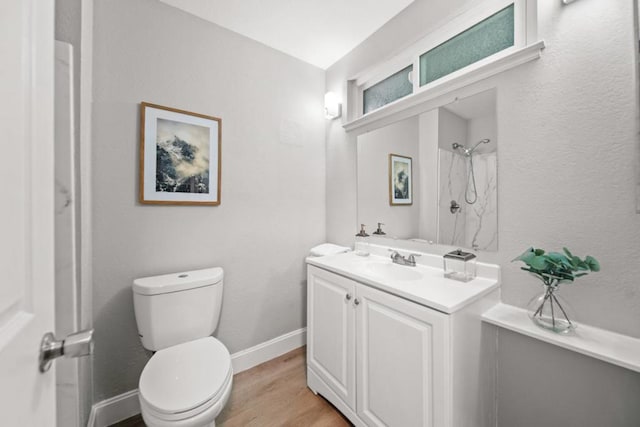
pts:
pixel 459 265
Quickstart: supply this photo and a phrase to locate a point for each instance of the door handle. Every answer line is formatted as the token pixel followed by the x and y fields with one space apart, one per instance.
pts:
pixel 74 345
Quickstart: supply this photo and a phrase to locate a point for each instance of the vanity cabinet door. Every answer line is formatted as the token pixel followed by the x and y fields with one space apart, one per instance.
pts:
pixel 330 332
pixel 403 362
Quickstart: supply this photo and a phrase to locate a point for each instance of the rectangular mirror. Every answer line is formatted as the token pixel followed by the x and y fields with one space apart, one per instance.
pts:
pixel 451 175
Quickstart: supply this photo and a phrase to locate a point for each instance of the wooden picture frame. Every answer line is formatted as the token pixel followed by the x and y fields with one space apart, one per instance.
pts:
pixel 180 157
pixel 400 180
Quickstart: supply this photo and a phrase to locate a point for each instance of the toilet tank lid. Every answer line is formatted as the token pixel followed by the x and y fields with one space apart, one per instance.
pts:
pixel 177 281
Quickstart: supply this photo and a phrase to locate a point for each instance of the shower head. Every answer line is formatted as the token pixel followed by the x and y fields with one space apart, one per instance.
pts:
pixel 468 151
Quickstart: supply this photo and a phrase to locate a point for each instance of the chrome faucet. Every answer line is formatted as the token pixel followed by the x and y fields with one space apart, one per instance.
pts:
pixel 410 260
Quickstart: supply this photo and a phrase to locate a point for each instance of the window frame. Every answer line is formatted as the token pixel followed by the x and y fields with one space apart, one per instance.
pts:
pixel 525 33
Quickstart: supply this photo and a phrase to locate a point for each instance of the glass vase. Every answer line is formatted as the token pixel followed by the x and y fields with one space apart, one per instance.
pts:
pixel 552 312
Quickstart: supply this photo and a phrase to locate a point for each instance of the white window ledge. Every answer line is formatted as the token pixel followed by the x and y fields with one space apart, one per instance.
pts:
pixel 611 347
pixel 475 74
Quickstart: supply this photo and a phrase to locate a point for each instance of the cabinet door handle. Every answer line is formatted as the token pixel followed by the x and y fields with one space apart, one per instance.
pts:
pixel 356 301
pixel 348 297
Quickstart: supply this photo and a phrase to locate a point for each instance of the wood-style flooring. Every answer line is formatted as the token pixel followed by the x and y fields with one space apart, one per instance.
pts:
pixel 273 394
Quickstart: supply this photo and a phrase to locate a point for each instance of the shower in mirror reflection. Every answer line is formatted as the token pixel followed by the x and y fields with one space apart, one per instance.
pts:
pixel 471 191
pixel 467 165
pixel 439 213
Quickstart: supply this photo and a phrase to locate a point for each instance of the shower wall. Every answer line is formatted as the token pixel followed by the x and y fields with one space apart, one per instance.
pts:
pixel 482 216
pixel 452 173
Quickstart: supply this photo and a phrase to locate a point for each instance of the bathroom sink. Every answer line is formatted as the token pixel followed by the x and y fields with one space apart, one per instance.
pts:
pixel 389 271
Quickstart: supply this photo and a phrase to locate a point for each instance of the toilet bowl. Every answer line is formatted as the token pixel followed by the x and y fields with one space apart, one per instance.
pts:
pixel 186 385
pixel 188 380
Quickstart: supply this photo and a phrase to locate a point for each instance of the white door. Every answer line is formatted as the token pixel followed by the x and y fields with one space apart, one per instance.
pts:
pixel 403 361
pixel 27 397
pixel 331 328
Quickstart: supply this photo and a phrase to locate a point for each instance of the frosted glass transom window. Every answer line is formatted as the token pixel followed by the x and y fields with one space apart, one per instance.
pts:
pixel 488 38
pixel 394 87
pixel 484 39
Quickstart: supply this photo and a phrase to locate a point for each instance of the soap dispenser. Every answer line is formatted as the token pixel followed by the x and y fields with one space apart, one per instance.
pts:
pixel 379 231
pixel 362 232
pixel 362 247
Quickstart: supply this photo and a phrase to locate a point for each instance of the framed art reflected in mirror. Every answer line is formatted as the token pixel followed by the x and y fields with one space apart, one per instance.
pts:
pixel 400 180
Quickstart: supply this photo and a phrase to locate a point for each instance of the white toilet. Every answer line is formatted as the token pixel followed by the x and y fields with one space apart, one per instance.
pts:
pixel 187 382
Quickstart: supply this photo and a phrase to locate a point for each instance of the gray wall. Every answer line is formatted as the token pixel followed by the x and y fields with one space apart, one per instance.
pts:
pixel 404 29
pixel 545 385
pixel 273 190
pixel 400 138
pixel 567 164
pixel 429 135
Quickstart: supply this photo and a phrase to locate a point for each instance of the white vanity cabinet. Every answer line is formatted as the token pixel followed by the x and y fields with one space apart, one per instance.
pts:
pixel 402 349
pixel 331 326
pixel 384 360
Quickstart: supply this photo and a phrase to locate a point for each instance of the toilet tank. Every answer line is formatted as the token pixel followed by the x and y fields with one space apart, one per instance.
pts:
pixel 175 308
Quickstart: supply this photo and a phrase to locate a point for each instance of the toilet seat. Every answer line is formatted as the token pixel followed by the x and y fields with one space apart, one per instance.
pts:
pixel 221 397
pixel 185 380
pixel 205 418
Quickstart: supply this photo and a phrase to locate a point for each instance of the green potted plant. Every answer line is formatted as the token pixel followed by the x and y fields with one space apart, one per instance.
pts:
pixel 549 310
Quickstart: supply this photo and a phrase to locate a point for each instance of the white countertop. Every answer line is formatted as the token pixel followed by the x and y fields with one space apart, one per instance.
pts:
pixel 432 289
pixel 598 343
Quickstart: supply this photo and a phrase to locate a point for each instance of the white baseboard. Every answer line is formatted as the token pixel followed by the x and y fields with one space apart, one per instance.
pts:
pixel 247 359
pixel 126 405
pixel 115 409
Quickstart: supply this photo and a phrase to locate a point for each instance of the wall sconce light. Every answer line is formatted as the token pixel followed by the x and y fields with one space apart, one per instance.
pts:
pixel 332 108
pixel 567 1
